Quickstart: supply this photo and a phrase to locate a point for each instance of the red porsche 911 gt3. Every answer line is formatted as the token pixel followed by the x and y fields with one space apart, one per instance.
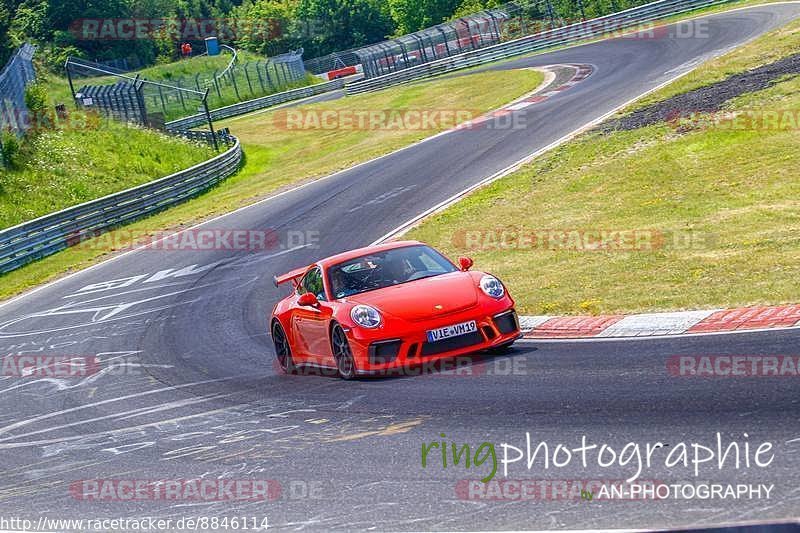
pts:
pixel 386 307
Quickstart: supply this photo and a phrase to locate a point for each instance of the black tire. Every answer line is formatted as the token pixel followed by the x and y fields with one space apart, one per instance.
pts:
pixel 345 363
pixel 283 352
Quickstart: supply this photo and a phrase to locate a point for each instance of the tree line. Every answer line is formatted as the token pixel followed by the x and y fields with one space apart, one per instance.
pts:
pixel 153 30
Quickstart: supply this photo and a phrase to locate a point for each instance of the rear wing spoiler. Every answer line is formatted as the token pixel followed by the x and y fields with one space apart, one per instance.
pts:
pixel 293 276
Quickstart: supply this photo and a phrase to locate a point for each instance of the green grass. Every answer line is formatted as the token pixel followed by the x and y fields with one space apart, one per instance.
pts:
pixel 64 167
pixel 725 201
pixel 782 42
pixel 202 65
pixel 198 73
pixel 278 158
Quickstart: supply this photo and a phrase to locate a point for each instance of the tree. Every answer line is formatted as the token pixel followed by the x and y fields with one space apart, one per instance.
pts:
pixel 413 15
pixel 334 25
pixel 265 26
pixel 468 7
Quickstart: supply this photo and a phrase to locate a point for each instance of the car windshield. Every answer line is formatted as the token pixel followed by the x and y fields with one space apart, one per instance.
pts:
pixel 387 268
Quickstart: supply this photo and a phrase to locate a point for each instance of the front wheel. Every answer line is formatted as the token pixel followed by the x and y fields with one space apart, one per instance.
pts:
pixel 345 363
pixel 283 352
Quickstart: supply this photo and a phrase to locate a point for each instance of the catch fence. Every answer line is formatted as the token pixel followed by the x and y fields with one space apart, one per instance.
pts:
pixel 14 77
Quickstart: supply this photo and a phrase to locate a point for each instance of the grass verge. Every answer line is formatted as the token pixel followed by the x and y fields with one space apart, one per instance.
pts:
pixel 55 169
pixel 716 205
pixel 277 158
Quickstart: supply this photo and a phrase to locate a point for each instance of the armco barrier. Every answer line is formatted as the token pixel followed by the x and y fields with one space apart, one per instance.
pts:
pixel 254 105
pixel 48 234
pixel 565 35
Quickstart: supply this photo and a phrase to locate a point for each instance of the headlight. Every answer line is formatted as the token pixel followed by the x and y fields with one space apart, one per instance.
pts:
pixel 491 286
pixel 366 316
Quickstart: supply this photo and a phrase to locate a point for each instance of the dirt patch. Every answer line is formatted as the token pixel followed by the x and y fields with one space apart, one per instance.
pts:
pixel 706 99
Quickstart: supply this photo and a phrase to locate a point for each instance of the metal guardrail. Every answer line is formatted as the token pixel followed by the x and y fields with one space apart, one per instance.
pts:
pixel 254 105
pixel 46 235
pixel 223 136
pixel 565 35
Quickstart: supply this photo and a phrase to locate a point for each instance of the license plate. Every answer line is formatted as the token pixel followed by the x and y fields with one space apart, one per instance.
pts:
pixel 451 331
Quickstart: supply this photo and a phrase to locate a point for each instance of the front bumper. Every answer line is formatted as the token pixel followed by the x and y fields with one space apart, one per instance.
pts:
pixel 409 347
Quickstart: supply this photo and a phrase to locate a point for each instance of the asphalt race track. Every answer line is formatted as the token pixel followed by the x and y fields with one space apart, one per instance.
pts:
pixel 198 395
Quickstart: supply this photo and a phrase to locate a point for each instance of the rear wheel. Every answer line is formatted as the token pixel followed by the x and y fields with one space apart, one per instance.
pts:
pixel 345 362
pixel 283 352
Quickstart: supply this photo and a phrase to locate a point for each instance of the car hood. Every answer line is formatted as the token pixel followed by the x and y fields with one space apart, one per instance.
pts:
pixel 424 298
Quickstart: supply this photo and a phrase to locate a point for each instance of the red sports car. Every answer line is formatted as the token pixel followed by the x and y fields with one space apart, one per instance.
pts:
pixel 386 307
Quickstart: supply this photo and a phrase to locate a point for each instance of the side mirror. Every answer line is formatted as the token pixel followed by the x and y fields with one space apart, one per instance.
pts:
pixel 465 263
pixel 308 299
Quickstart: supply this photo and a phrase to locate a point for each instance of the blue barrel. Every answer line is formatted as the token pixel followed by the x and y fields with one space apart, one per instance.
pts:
pixel 212 46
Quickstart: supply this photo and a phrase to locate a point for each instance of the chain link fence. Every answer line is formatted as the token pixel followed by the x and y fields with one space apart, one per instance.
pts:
pixel 183 96
pixel 134 99
pixel 14 77
pixel 336 60
pixel 465 34
pixel 641 17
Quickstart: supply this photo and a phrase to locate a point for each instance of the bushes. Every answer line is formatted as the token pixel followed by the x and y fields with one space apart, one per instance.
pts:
pixel 9 150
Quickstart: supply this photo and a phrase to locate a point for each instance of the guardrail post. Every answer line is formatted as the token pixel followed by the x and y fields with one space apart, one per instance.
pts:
pixel 247 77
pixel 180 94
pixel 216 84
pixel 71 86
pixel 140 99
pixel 235 86
pixel 210 122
